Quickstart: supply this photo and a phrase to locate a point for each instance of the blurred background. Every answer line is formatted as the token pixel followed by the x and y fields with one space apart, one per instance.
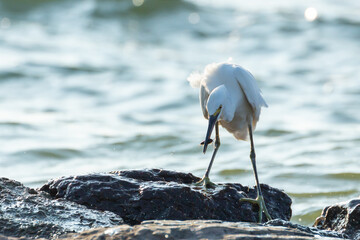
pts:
pixel 100 85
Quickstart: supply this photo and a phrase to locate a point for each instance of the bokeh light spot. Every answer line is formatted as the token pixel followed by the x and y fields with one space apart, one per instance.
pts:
pixel 138 3
pixel 194 18
pixel 5 23
pixel 310 14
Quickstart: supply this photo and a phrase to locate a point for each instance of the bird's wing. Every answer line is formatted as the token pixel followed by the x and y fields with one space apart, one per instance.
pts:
pixel 252 92
pixel 204 95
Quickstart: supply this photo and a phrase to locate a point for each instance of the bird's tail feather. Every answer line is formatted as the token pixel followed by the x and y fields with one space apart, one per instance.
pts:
pixel 195 79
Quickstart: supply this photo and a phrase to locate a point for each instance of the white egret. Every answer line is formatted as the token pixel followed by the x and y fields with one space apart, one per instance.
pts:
pixel 229 96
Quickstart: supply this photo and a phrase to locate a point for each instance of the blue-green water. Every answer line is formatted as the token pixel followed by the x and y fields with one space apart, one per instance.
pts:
pixel 100 85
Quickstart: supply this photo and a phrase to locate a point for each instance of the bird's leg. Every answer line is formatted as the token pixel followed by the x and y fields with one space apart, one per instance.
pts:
pixel 205 181
pixel 259 199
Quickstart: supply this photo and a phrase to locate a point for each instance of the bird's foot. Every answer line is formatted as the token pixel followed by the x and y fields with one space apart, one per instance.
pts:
pixel 262 207
pixel 205 181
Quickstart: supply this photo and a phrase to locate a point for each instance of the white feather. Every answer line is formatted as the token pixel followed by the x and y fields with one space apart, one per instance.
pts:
pixel 195 79
pixel 251 90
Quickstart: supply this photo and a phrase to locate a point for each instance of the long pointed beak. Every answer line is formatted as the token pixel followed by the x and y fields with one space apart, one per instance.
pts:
pixel 212 121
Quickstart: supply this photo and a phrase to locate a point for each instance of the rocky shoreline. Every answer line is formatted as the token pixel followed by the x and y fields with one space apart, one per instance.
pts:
pixel 157 204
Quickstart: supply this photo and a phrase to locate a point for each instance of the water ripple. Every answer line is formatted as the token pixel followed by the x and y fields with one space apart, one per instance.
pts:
pixel 344 176
pixel 234 172
pixel 48 154
pixel 323 194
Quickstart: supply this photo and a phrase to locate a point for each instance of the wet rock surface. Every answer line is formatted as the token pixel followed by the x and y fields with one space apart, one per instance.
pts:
pixel 160 194
pixel 196 229
pixel 310 230
pixel 29 213
pixel 341 217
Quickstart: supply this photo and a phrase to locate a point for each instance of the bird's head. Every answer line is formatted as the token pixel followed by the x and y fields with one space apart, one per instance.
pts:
pixel 219 107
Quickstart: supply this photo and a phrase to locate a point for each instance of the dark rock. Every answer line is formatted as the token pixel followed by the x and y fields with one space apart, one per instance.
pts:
pixel 159 194
pixel 195 229
pixel 311 230
pixel 342 217
pixel 25 212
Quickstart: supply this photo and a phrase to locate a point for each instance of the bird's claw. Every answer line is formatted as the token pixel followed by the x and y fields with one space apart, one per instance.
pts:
pixel 208 142
pixel 262 207
pixel 205 181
